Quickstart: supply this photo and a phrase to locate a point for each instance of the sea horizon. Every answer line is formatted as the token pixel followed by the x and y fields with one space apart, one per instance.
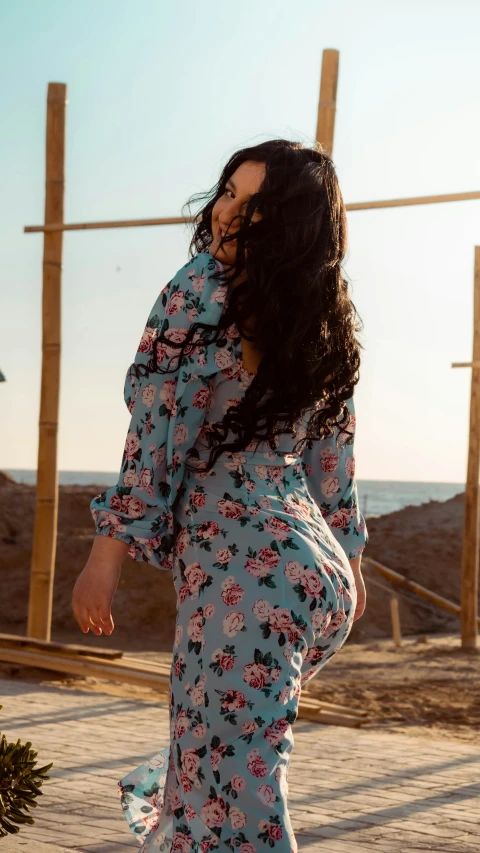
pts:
pixel 376 497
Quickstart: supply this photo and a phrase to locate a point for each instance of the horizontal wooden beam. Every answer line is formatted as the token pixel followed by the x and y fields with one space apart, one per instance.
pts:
pixel 406 202
pixel 466 364
pixel 181 220
pixel 123 223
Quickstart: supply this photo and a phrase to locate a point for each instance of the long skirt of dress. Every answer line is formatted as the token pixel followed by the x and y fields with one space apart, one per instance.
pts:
pixel 265 596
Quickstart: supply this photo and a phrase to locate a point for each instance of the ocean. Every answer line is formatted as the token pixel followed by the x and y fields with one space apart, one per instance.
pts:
pixel 377 497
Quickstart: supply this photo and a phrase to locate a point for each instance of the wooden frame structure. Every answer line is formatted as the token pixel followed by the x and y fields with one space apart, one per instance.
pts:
pixel 45 531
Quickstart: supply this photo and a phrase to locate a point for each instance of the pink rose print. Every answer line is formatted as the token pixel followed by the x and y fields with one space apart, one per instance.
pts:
pixel 329 487
pixel 182 724
pixel 181 843
pixel 214 812
pixel 197 498
pixel 198 281
pixel 190 763
pixel 265 503
pixel 338 620
pixel 167 395
pixel 175 303
pixel 266 794
pixel 223 358
pixel 208 530
pixel 294 571
pixel 145 478
pixel 256 765
pixel 189 814
pixel 232 593
pixel 180 434
pixel 328 460
pixel 320 620
pixel 262 609
pixel 224 660
pixel 230 509
pixel 146 343
pixel 233 700
pixel 158 457
pixel 247 848
pixel 223 555
pixel 134 507
pixel 262 473
pixel 200 731
pixel 343 437
pixel 312 583
pixel 238 783
pixel 148 395
pixel 195 625
pixel 195 577
pixel 131 479
pixel 131 445
pixel 237 817
pixel 275 831
pixel 339 519
pixel 261 565
pixel 208 611
pixel 256 675
pixel 350 467
pixel 177 336
pixel 276 732
pixel 233 623
pixel 200 398
pixel 280 619
pixel 277 528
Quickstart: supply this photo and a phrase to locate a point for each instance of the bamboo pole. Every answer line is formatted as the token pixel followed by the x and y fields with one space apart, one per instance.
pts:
pixel 423 592
pixel 46 508
pixel 328 100
pixel 407 202
pixel 122 223
pixel 396 632
pixel 471 516
pixel 180 220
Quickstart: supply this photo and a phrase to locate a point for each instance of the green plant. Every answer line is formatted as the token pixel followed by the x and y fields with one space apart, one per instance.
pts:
pixel 20 783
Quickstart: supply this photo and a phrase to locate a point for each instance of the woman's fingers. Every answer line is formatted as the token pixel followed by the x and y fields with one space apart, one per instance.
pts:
pixel 106 620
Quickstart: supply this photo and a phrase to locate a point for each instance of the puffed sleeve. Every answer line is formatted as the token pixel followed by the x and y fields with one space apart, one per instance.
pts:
pixel 167 411
pixel 329 468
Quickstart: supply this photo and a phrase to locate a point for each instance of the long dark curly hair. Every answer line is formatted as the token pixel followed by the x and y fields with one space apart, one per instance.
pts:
pixel 305 323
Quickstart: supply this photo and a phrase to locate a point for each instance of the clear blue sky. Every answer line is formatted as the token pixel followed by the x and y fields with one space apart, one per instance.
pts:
pixel 160 95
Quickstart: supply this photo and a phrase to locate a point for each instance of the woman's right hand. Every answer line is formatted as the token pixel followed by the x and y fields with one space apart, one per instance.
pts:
pixel 96 585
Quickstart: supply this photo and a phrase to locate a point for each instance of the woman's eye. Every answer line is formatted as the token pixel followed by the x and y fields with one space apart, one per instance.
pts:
pixel 228 191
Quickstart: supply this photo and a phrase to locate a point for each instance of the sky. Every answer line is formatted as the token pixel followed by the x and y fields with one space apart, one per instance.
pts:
pixel 160 95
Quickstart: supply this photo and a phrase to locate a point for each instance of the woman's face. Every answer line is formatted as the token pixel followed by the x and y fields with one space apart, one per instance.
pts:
pixel 244 182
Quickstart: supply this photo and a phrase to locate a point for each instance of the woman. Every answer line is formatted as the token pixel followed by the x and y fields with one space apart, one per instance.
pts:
pixel 247 366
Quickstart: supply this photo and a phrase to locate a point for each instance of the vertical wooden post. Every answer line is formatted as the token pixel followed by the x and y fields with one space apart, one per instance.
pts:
pixel 46 508
pixel 469 595
pixel 397 634
pixel 328 100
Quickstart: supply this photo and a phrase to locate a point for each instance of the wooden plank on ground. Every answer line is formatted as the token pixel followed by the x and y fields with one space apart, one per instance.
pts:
pixel 15 641
pixel 150 675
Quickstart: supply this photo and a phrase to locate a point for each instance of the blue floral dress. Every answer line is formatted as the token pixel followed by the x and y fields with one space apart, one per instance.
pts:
pixel 259 548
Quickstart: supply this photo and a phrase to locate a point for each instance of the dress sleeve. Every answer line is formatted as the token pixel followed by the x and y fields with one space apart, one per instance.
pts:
pixel 167 411
pixel 329 467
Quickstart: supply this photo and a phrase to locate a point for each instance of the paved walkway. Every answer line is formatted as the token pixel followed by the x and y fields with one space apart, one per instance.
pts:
pixel 351 791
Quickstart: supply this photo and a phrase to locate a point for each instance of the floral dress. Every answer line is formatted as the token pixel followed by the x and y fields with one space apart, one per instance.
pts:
pixel 259 548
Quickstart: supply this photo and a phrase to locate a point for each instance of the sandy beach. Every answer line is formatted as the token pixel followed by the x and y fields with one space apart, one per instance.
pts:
pixel 427 687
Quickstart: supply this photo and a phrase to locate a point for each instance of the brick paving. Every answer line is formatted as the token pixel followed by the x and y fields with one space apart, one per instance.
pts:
pixel 351 791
